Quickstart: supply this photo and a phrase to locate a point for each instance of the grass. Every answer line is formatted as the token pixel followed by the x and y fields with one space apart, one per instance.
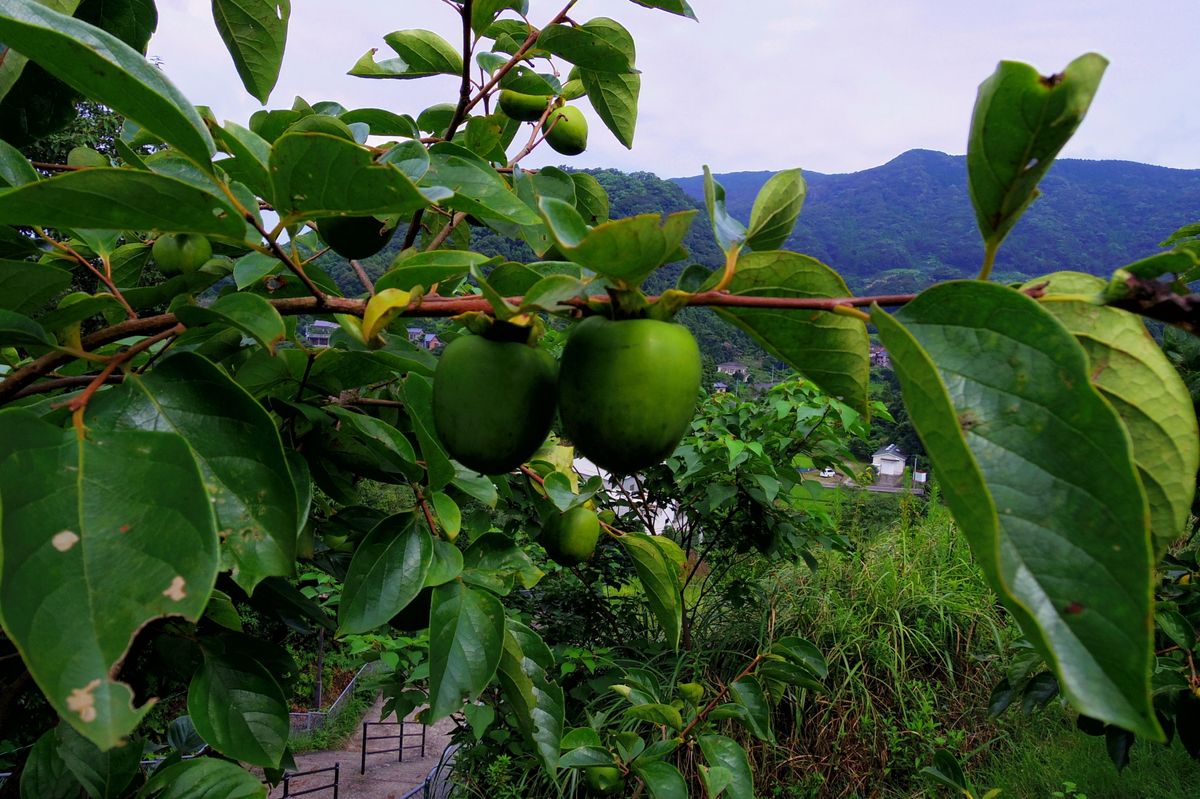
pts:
pixel 338 729
pixel 1037 756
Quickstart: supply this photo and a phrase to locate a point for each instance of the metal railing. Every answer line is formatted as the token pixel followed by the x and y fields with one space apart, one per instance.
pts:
pixel 400 747
pixel 438 784
pixel 336 768
pixel 310 720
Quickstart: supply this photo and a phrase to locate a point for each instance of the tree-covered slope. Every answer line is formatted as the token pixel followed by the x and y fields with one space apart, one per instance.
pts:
pixel 909 221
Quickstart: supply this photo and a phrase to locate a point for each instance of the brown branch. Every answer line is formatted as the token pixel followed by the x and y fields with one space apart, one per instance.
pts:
pixel 56 383
pixel 1156 300
pixel 464 91
pixel 56 167
pixel 79 403
pixel 362 276
pixel 716 700
pixel 430 306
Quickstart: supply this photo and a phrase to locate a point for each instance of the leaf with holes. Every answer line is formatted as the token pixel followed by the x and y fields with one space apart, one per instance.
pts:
pixel 1038 470
pixel 81 573
pixel 238 449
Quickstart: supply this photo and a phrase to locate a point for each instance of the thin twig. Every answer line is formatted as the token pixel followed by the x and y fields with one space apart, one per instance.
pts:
pixel 716 700
pixel 103 277
pixel 77 405
pixel 362 276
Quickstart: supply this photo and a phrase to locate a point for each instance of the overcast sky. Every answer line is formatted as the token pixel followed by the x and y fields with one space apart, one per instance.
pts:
pixel 827 85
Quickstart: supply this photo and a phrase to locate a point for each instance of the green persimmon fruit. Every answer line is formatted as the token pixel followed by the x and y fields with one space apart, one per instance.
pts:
pixel 86 156
pixel 569 133
pixel 180 253
pixel 355 236
pixel 493 402
pixel 523 107
pixel 570 538
pixel 604 780
pixel 627 390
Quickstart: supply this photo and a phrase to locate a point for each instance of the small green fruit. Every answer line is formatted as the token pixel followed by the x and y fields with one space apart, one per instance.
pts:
pixel 604 780
pixel 180 253
pixel 523 107
pixel 569 132
pixel 355 236
pixel 570 538
pixel 86 156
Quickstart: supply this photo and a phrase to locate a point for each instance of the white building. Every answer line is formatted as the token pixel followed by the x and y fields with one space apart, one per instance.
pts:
pixel 889 461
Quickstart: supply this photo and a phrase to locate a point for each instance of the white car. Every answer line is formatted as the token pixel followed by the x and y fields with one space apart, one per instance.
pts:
pixel 828 472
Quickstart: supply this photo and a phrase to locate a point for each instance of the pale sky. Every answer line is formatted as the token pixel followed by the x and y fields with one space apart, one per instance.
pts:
pixel 827 85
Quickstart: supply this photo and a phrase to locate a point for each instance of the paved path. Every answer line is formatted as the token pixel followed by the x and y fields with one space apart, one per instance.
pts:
pixel 385 778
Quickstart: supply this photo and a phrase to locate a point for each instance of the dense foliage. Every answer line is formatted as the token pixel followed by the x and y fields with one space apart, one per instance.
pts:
pixel 176 445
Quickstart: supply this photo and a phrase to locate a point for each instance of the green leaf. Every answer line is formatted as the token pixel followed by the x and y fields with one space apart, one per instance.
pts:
pixel 549 292
pixel 657 713
pixel 802 653
pixel 381 309
pixel 239 708
pixel 15 169
pixel 388 445
pixel 388 570
pixel 946 771
pixel 237 446
pixel 677 7
pixel 1021 121
pixel 248 313
pixel 449 517
pixel 17 330
pixel 594 45
pixel 748 693
pixel 614 97
pixel 584 756
pixel 204 778
pixel 250 152
pixel 466 639
pixel 776 209
pixel 128 262
pixel 483 12
pixel 729 232
pixel 255 32
pixel 103 68
pixel 70 612
pixel 420 53
pixel 418 398
pixel 317 174
pixel 829 349
pixel 1177 628
pixel 477 188
pixel 104 775
pixel 660 579
pixel 45 774
pixel 383 123
pixel 591 200
pixel 119 199
pixel 1038 472
pixel 537 701
pixel 662 779
pixel 726 753
pixel 443 268
pixel 625 250
pixel 1143 387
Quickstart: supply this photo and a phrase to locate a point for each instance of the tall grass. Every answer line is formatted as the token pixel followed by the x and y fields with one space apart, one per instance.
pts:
pixel 910 631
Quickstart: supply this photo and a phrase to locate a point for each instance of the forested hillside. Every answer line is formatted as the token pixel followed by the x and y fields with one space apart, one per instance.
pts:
pixel 907 223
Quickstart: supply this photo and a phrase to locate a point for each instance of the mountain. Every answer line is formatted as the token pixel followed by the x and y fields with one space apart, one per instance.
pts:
pixel 909 222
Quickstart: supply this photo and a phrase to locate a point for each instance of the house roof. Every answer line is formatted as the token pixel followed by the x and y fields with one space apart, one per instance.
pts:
pixel 891 450
pixel 321 323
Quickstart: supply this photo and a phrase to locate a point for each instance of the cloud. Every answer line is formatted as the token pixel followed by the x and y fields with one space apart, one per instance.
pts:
pixel 767 84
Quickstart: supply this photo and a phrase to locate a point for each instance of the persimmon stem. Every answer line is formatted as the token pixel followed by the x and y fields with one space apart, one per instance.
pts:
pixel 731 259
pixel 989 259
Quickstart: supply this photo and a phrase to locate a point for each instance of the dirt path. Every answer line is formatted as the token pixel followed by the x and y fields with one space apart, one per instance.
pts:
pixel 385 778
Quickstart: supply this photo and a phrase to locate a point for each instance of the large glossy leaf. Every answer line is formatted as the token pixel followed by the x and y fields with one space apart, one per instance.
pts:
pixel 829 349
pixel 477 188
pixel 614 96
pixel 238 449
pixel 1021 121
pixel 82 571
pixel 1038 471
pixel 1143 386
pixel 45 774
pixel 105 69
pixel 15 169
pixel 625 250
pixel 726 753
pixel 255 32
pixel 601 45
pixel 388 570
pixel 525 676
pixel 104 775
pixel 748 693
pixel 251 154
pixel 660 581
pixel 466 639
pixel 239 708
pixel 120 199
pixel 317 174
pixel 418 398
pixel 419 54
pixel 204 778
pixel 18 330
pixel 662 779
pixel 249 313
pixel 776 209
